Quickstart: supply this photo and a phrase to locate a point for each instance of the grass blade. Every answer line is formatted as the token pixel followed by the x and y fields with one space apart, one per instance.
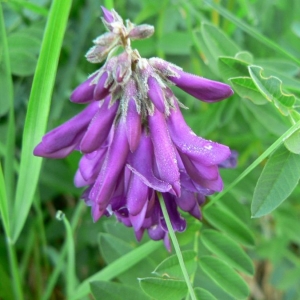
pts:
pixel 7 103
pixel 38 110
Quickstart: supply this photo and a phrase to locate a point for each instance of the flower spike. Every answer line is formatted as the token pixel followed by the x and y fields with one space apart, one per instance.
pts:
pixel 135 144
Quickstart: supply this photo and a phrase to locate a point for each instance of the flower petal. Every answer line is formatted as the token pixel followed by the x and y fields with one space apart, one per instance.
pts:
pixel 137 195
pixel 206 152
pixel 62 140
pixel 178 223
pixel 164 151
pixel 138 220
pixel 156 95
pixel 133 125
pixel 90 166
pixel 84 93
pixel 186 201
pixel 101 90
pixel 201 88
pixel 100 127
pixel 140 163
pixel 114 163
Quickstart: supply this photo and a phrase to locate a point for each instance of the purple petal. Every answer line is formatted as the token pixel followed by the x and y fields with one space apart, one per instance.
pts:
pixel 100 127
pixel 79 181
pixel 164 151
pixel 137 195
pixel 178 223
pixel 186 201
pixel 140 163
pixel 84 93
pixel 195 212
pixel 201 88
pixel 231 161
pixel 62 140
pixel 156 233
pixel 139 234
pixel 133 125
pixel 101 90
pixel 90 166
pixel 205 152
pixel 156 95
pixel 199 171
pixel 112 167
pixel 138 220
pixel 107 15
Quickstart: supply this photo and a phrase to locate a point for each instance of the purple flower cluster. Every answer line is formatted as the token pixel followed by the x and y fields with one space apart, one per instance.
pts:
pixel 135 143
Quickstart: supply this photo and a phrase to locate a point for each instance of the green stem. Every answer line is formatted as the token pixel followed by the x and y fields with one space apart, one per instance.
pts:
pixel 177 249
pixel 70 269
pixel 273 147
pixel 16 280
pixel 59 265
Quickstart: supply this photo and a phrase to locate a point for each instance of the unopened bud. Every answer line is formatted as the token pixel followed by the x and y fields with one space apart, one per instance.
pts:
pixel 105 39
pixel 141 32
pixel 98 53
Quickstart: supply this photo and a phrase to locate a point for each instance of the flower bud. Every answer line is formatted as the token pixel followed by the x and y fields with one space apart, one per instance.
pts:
pixel 141 32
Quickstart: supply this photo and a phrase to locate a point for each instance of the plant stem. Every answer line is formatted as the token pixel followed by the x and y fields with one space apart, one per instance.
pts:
pixel 16 280
pixel 177 249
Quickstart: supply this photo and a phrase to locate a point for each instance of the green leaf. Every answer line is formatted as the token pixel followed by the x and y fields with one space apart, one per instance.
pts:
pixel 112 248
pixel 163 289
pixel 227 250
pixel 292 143
pixel 38 111
pixel 246 88
pixel 276 182
pixel 268 117
pixel 4 204
pixel 23 63
pixel 117 267
pixel 232 67
pixel 224 276
pixel 202 294
pixel 271 89
pixel 170 266
pixel 227 222
pixel 250 30
pixel 23 52
pixel 115 291
pixel 6 85
pixel 169 43
pixel 217 41
pixel 214 43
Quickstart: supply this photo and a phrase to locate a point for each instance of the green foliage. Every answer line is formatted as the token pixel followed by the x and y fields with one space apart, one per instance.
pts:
pixel 251 45
pixel 276 182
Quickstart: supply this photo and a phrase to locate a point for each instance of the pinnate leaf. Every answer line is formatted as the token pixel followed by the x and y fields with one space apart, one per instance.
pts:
pixel 202 294
pixel 276 182
pixel 230 224
pixel 163 289
pixel 224 276
pixel 227 250
pixel 246 88
pixel 232 67
pixel 170 266
pixel 115 291
pixel 271 89
pixel 292 143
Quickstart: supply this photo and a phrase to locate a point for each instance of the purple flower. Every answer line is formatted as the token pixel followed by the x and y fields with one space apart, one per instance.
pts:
pixel 135 143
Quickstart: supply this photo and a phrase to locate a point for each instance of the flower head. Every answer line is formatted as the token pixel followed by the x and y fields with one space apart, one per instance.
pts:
pixel 135 143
